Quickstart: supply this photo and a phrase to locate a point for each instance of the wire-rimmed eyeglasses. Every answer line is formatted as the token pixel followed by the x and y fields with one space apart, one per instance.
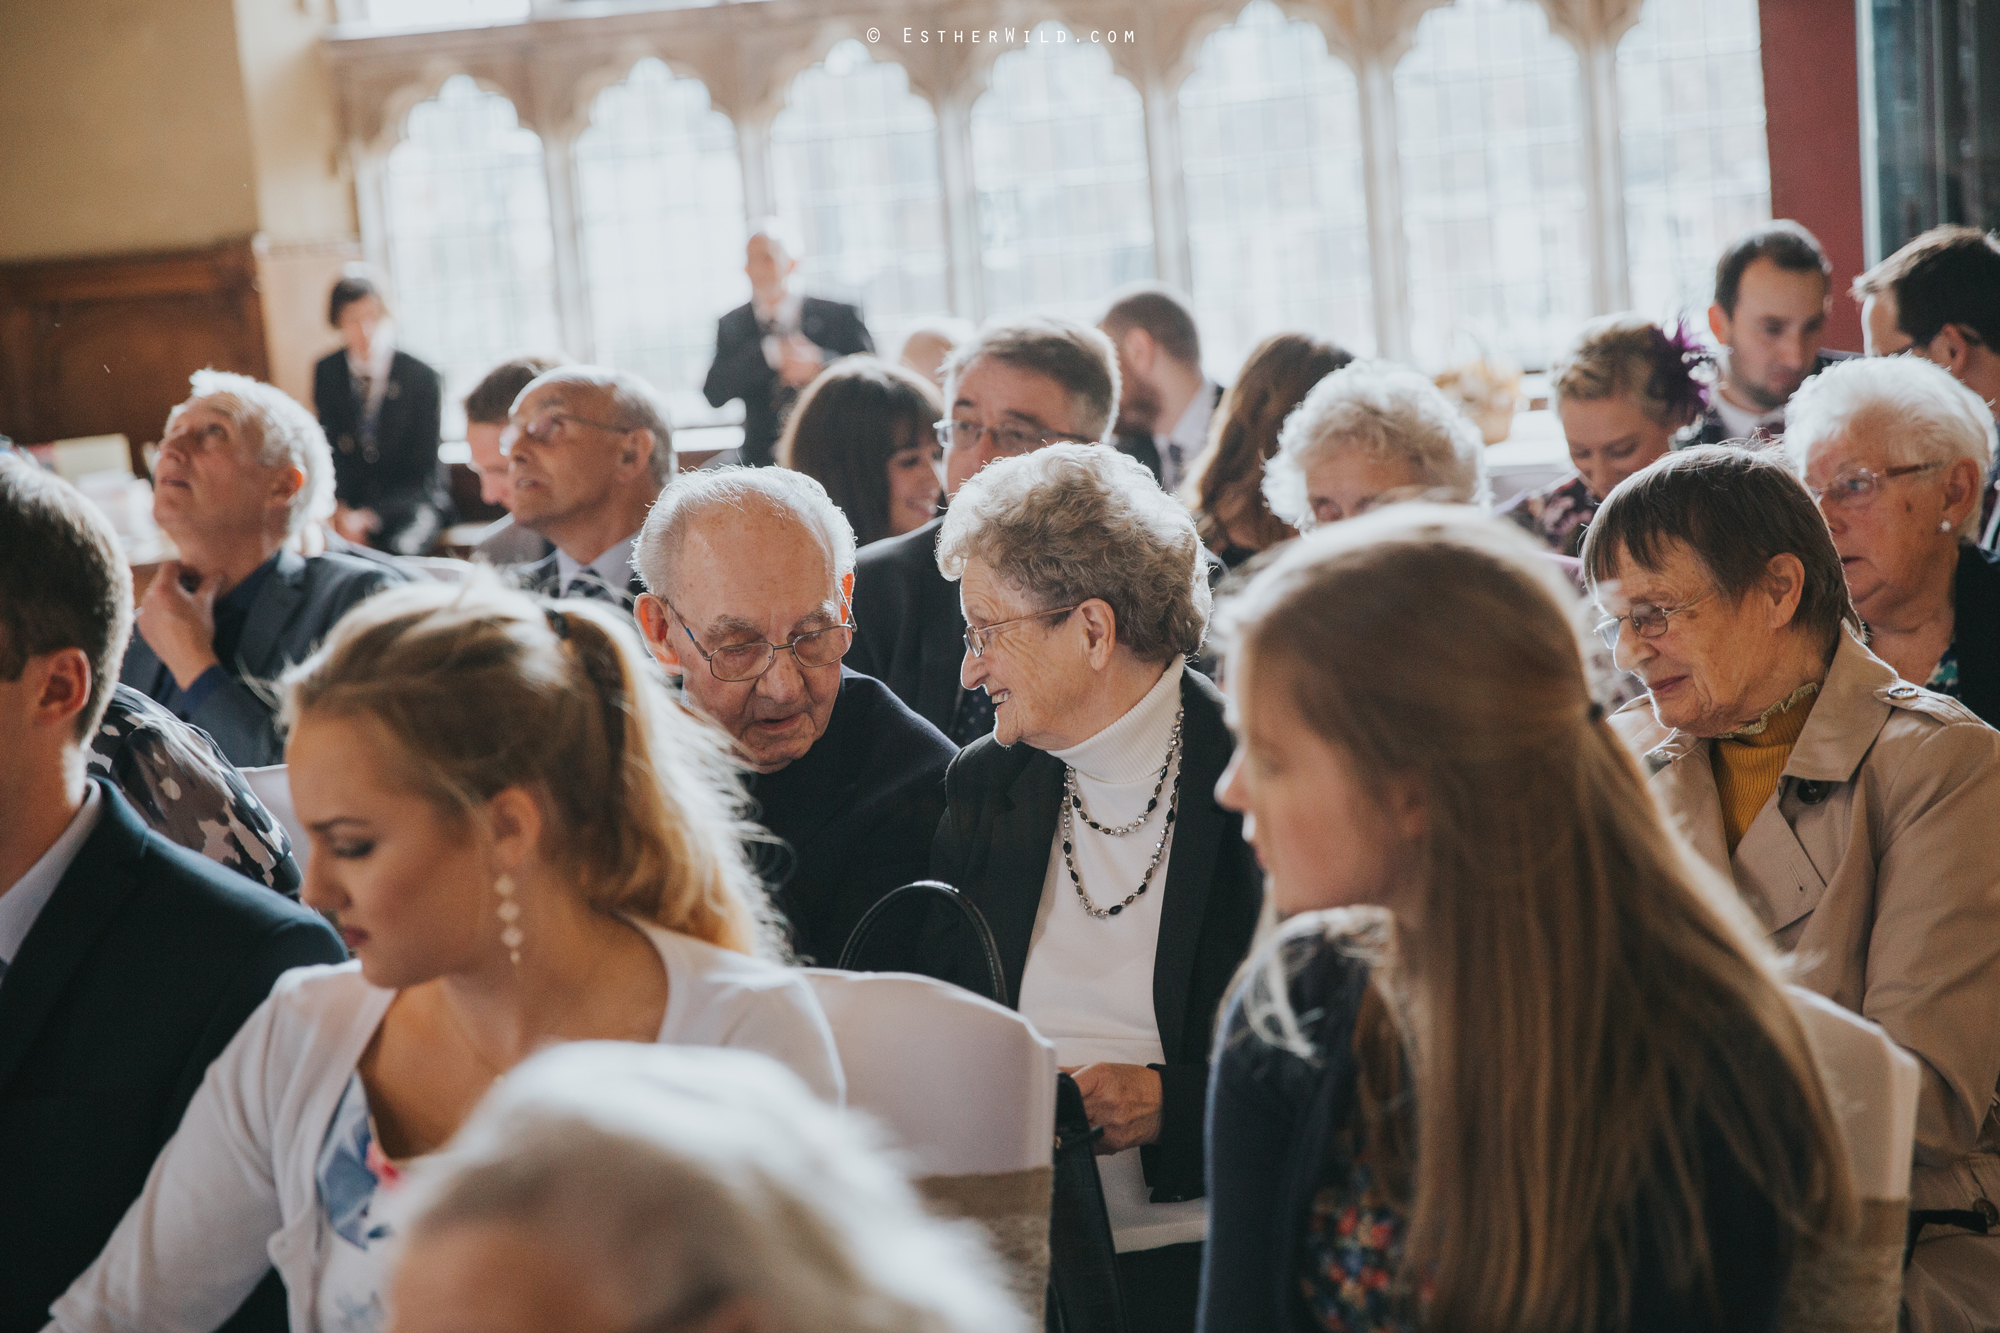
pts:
pixel 1008 441
pixel 976 636
pixel 546 426
pixel 737 662
pixel 1648 621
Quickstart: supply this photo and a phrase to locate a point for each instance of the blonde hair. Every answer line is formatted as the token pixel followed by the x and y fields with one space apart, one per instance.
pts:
pixel 1632 356
pixel 484 688
pixel 1590 994
pixel 673 1179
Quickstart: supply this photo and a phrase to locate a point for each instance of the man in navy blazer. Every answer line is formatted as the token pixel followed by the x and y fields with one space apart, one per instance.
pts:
pixel 769 348
pixel 750 572
pixel 126 962
pixel 241 469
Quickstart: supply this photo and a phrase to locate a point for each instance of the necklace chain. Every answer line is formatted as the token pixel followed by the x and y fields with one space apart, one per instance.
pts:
pixel 1073 806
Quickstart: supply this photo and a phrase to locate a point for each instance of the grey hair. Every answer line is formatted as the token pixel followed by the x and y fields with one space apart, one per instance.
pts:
pixel 635 405
pixel 673 1178
pixel 684 501
pixel 1076 521
pixel 287 436
pixel 1073 354
pixel 1932 417
pixel 1391 412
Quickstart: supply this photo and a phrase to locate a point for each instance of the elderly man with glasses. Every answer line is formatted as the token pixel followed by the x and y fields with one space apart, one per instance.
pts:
pixel 1853 810
pixel 1016 387
pixel 587 451
pixel 749 576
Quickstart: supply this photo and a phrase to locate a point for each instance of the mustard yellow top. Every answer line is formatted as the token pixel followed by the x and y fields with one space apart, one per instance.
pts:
pixel 1749 761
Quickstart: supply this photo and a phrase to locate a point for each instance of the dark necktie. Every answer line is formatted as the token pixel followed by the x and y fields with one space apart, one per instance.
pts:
pixel 1172 471
pixel 590 587
pixel 973 718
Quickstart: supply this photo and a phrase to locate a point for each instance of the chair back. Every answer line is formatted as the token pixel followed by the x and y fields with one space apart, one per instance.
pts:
pixel 273 786
pixel 967 1091
pixel 931 929
pixel 1871 1085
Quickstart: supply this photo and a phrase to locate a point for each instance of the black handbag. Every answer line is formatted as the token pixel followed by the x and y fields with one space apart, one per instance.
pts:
pixel 1083 1263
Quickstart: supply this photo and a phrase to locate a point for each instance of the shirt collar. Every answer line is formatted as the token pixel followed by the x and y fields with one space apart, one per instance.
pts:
pixel 381 354
pixel 239 598
pixel 1191 431
pixel 21 904
pixel 613 567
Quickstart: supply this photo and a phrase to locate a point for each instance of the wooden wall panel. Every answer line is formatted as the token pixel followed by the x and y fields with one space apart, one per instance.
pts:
pixel 105 345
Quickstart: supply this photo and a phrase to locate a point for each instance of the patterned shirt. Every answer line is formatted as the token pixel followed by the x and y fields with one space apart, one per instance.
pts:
pixel 1352 1260
pixel 188 792
pixel 1944 676
pixel 1559 513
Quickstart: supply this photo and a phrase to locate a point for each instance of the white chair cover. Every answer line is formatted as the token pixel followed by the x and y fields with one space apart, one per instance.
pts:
pixel 273 786
pixel 967 1091
pixel 1871 1085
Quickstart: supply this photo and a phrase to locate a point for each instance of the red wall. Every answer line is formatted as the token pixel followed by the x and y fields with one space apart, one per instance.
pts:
pixel 1812 120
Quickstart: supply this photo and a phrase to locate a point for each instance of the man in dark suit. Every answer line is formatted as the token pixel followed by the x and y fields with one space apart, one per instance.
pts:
pixel 750 573
pixel 240 471
pixel 1016 387
pixel 1772 294
pixel 588 450
pixel 1165 400
pixel 381 409
pixel 126 962
pixel 772 347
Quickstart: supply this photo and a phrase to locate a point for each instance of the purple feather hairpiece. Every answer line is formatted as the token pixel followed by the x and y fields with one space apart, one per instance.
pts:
pixel 1678 379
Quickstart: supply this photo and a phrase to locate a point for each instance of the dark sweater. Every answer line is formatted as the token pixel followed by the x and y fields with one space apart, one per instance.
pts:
pixel 1271 1117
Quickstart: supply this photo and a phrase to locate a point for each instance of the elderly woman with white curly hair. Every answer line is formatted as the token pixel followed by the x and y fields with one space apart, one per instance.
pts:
pixel 604 1187
pixel 1085 827
pixel 1370 434
pixel 1896 451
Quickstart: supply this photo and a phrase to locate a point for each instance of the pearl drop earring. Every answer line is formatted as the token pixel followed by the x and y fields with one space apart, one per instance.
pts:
pixel 510 916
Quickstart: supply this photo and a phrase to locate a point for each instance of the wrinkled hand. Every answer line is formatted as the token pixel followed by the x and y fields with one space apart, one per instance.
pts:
pixel 178 625
pixel 357 525
pixel 1124 1100
pixel 799 361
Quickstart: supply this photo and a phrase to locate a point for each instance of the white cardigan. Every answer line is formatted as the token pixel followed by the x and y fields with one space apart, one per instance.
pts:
pixel 234 1190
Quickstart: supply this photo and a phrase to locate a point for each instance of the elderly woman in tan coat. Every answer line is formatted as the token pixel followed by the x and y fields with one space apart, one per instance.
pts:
pixel 1856 812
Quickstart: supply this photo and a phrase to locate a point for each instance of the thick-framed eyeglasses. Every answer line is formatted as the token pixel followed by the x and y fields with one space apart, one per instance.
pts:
pixel 979 637
pixel 1856 487
pixel 1648 621
pixel 550 425
pixel 1008 441
pixel 737 662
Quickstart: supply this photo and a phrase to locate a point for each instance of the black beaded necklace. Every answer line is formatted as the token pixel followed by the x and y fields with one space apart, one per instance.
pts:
pixel 1073 806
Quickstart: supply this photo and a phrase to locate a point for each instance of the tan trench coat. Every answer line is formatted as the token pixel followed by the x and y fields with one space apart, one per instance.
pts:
pixel 1876 864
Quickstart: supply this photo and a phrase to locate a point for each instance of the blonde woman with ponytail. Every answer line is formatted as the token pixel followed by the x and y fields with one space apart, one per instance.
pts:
pixel 1534 1071
pixel 524 843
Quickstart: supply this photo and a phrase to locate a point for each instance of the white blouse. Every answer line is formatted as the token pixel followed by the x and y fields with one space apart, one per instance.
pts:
pixel 1088 982
pixel 240 1186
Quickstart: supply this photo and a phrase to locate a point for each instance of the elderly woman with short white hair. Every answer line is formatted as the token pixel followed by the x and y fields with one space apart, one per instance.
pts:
pixel 604 1187
pixel 1085 827
pixel 1896 451
pixel 1370 434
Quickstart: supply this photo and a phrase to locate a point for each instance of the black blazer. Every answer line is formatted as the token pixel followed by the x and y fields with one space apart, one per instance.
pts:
pixel 403 469
pixel 137 973
pixel 856 814
pixel 294 609
pixel 740 370
pixel 909 631
pixel 1976 631
pixel 1001 811
pixel 1144 447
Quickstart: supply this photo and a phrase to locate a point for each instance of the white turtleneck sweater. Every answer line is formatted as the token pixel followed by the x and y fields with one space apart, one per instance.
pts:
pixel 1088 983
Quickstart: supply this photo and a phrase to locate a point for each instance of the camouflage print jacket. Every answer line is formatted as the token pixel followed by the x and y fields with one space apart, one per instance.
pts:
pixel 178 780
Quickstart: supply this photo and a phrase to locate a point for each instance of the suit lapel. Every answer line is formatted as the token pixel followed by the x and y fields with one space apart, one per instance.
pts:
pixel 1008 888
pixel 142 670
pixel 270 613
pixel 1198 832
pixel 97 884
pixel 942 652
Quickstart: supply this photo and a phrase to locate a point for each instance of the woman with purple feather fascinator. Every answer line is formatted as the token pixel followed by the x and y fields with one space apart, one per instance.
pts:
pixel 1624 389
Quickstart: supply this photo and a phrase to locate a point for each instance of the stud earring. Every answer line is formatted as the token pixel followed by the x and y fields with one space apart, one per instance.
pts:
pixel 1944 525
pixel 510 916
